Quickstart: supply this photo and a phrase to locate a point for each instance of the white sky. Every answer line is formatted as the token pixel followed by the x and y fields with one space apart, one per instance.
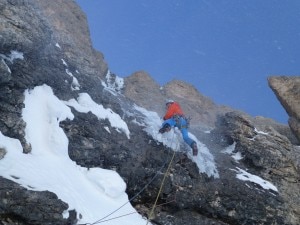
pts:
pixel 94 193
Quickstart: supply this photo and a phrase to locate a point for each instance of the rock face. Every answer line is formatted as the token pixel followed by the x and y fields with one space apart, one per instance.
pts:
pixel 142 89
pixel 39 207
pixel 145 92
pixel 47 42
pixel 287 90
pixel 268 153
pixel 67 21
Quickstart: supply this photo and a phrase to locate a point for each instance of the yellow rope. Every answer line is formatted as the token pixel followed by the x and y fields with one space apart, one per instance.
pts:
pixel 161 186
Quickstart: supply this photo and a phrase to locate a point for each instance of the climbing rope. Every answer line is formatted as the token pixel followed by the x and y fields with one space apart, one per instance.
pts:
pixel 128 214
pixel 114 218
pixel 162 183
pixel 131 199
pixel 160 189
pixel 104 219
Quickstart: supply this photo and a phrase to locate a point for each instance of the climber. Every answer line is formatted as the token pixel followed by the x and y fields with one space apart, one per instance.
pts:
pixel 174 117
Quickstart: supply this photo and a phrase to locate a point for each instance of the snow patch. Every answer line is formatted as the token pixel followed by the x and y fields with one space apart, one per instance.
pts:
pixel 57 45
pixel 245 176
pixel 107 129
pixel 12 56
pixel 260 132
pixel 51 138
pixel 113 84
pixel 75 84
pixel 86 104
pixel 15 55
pixel 64 62
pixel 7 67
pixel 230 150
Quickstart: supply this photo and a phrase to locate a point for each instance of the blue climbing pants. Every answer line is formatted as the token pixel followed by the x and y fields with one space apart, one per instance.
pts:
pixel 181 123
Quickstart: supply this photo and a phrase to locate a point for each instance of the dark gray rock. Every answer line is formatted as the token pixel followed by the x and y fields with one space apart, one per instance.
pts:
pixel 263 123
pixel 21 206
pixel 268 154
pixel 47 32
pixel 2 153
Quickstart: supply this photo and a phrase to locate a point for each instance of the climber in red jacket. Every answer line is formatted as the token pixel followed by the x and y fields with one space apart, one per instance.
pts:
pixel 174 117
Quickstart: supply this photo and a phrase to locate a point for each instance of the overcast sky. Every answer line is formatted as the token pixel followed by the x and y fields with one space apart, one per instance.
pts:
pixel 225 48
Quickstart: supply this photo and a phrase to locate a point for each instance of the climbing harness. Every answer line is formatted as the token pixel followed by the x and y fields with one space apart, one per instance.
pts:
pixel 178 121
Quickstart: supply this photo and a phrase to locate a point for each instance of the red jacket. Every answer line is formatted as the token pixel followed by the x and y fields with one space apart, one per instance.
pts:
pixel 172 110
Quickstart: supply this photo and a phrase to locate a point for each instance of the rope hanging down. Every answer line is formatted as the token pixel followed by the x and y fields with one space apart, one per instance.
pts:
pixel 160 189
pixel 136 195
pixel 128 214
pixel 163 181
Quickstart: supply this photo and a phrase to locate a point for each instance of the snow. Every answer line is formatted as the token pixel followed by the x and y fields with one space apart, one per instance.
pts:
pixel 75 84
pixel 15 55
pixel 51 111
pixel 260 132
pixel 64 62
pixel 57 45
pixel 118 83
pixel 245 176
pixel 230 150
pixel 7 67
pixel 173 139
pixel 113 85
pixel 94 193
pixel 237 156
pixel 12 56
pixel 86 104
pixel 107 129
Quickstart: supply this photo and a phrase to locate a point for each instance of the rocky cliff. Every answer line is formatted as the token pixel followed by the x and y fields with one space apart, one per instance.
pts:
pixel 47 43
pixel 139 86
pixel 287 90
